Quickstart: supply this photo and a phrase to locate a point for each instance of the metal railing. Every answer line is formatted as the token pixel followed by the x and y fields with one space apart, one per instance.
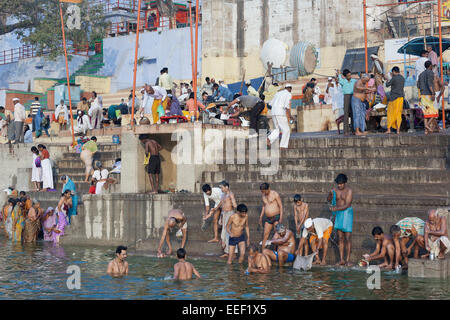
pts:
pixel 29 51
pixel 113 5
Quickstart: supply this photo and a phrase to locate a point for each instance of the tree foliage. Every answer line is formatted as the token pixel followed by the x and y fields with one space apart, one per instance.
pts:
pixel 37 22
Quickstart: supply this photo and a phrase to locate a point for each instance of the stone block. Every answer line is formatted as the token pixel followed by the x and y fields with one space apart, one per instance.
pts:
pixel 425 268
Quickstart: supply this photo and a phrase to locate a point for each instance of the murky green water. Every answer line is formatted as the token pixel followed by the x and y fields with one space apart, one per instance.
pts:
pixel 39 272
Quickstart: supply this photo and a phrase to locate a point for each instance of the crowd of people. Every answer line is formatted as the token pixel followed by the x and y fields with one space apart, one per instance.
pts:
pixel 407 236
pixel 23 220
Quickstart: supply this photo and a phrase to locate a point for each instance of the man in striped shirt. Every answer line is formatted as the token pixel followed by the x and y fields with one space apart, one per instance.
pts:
pixel 35 108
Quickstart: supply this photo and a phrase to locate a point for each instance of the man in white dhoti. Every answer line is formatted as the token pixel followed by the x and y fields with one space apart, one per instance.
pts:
pixel 62 115
pixel 281 115
pixel 147 103
pixel 95 111
pixel 83 123
pixel 436 234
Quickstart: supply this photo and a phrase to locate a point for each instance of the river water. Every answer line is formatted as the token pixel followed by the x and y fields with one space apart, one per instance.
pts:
pixel 39 272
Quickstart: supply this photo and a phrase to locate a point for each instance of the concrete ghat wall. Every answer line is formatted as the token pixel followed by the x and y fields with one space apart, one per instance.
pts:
pixel 170 48
pixel 17 75
pixel 119 219
pixel 234 31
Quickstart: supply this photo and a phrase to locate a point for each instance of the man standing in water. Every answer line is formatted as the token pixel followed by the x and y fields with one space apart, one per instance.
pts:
pixel 183 270
pixel 341 205
pixel 152 149
pixel 272 211
pixel 118 266
pixel 228 205
pixel 236 225
pixel 176 218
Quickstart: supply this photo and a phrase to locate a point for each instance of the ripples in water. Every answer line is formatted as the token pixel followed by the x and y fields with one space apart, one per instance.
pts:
pixel 39 272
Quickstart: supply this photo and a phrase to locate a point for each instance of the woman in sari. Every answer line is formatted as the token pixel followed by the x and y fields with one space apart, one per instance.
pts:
pixel 36 170
pixel 7 217
pixel 49 223
pixel 18 221
pixel 69 185
pixel 65 203
pixel 32 224
pixel 87 156
pixel 47 173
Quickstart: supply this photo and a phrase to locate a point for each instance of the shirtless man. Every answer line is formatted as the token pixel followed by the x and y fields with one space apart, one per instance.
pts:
pixel 385 248
pixel 320 230
pixel 341 205
pixel 152 149
pixel 272 211
pixel 436 236
pixel 235 228
pixel 284 239
pixel 301 213
pixel 257 262
pixel 360 93
pixel 118 266
pixel 439 92
pixel 183 270
pixel 228 206
pixel 177 218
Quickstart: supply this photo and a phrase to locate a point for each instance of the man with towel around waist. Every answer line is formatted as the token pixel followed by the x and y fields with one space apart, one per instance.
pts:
pixel 341 206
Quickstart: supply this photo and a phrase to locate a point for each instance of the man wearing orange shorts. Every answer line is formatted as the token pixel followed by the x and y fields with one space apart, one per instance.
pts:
pixel 319 230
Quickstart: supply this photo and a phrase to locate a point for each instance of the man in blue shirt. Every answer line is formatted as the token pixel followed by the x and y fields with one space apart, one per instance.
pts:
pixel 221 93
pixel 347 84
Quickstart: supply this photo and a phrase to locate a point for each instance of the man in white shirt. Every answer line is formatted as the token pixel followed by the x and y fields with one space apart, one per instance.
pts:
pixel 250 90
pixel 19 119
pixel 101 175
pixel 95 112
pixel 147 103
pixel 62 115
pixel 320 230
pixel 165 81
pixel 420 63
pixel 281 115
pixel 208 86
pixel 214 194
pixel 160 98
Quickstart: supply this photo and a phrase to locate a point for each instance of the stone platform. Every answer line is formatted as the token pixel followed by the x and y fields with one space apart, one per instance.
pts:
pixel 425 268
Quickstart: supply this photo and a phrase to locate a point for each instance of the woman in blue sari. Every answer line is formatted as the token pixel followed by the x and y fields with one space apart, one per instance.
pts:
pixel 70 185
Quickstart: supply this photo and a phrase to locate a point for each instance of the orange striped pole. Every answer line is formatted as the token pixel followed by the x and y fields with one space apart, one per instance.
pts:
pixel 196 52
pixel 67 73
pixel 136 50
pixel 192 41
pixel 440 54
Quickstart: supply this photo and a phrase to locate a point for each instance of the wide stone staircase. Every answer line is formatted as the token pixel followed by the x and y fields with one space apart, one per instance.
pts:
pixel 71 165
pixel 391 177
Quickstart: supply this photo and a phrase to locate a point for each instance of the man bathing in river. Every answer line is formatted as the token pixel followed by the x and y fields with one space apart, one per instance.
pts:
pixel 385 248
pixel 176 218
pixel 118 266
pixel 236 225
pixel 284 239
pixel 257 262
pixel 320 230
pixel 272 211
pixel 214 194
pixel 227 205
pixel 183 270
pixel 301 213
pixel 341 205
pixel 436 236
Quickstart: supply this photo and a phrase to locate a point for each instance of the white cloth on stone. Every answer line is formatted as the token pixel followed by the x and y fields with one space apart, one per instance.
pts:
pixel 47 174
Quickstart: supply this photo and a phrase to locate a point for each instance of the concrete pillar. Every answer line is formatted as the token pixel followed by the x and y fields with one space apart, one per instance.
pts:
pixel 133 173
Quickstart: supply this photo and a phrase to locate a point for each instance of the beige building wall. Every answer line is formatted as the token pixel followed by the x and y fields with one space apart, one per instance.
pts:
pixel 94 83
pixel 41 85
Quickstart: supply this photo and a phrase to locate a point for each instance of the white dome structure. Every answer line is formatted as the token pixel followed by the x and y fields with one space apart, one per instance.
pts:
pixel 274 51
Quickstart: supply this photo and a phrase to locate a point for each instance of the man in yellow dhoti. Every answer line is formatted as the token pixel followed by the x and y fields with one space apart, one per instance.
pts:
pixel 160 98
pixel 395 105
